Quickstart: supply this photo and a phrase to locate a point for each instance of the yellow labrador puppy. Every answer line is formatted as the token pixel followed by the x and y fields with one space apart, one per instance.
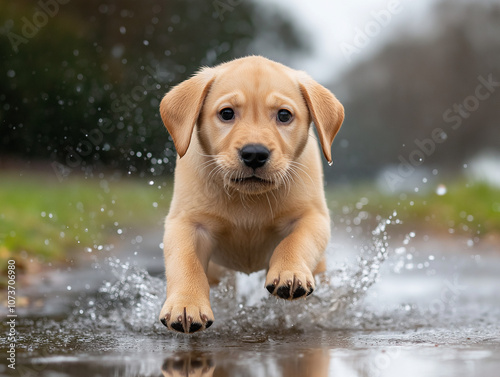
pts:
pixel 248 191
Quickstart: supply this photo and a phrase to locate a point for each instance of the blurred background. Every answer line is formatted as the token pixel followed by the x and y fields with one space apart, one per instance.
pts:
pixel 85 161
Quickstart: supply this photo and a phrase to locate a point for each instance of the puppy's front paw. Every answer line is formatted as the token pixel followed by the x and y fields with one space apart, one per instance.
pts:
pixel 186 316
pixel 290 285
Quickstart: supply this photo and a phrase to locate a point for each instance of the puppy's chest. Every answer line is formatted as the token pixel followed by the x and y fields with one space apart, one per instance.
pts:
pixel 246 248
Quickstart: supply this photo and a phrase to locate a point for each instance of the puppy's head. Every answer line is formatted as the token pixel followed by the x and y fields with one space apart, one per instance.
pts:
pixel 253 117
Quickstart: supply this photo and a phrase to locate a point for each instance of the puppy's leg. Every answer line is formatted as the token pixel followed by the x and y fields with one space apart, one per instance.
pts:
pixel 187 249
pixel 291 267
pixel 215 273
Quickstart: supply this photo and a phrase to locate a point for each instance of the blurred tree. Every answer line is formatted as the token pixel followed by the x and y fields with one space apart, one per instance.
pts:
pixel 84 89
pixel 410 89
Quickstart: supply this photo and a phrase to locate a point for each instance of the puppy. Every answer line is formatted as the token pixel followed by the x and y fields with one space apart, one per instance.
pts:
pixel 248 190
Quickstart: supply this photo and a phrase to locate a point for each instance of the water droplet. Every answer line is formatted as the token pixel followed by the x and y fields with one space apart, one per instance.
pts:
pixel 123 29
pixel 400 250
pixel 441 190
pixel 68 287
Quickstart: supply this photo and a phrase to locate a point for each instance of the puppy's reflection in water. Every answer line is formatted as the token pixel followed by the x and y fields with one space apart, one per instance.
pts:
pixel 310 363
pixel 192 364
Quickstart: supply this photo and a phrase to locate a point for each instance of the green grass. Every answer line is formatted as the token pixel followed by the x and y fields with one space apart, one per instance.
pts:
pixel 47 219
pixel 466 207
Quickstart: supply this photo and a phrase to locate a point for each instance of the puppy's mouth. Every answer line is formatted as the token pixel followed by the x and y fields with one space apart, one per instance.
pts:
pixel 251 179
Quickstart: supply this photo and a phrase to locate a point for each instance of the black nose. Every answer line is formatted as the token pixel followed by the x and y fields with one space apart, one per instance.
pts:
pixel 254 155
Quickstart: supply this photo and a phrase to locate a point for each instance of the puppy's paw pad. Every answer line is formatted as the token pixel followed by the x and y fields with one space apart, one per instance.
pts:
pixel 177 326
pixel 271 288
pixel 283 292
pixel 299 292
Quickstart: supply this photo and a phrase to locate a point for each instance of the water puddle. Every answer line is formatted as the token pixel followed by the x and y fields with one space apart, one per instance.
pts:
pixel 396 291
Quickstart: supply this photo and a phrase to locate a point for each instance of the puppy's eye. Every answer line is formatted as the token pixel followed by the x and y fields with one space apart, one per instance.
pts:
pixel 226 114
pixel 284 116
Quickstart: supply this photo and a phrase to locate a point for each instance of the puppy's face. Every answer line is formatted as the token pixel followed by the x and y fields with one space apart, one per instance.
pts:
pixel 253 125
pixel 253 118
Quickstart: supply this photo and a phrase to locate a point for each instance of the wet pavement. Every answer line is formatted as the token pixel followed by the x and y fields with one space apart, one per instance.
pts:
pixel 413 305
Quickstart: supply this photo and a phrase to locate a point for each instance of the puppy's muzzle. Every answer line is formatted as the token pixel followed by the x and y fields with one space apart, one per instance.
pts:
pixel 254 155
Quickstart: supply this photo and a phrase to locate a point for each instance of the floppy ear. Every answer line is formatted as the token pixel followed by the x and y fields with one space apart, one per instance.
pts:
pixel 326 112
pixel 181 107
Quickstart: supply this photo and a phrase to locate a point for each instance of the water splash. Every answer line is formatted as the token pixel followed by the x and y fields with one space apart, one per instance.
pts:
pixel 131 300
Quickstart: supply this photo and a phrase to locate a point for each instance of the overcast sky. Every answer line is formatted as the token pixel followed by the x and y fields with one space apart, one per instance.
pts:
pixel 343 31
